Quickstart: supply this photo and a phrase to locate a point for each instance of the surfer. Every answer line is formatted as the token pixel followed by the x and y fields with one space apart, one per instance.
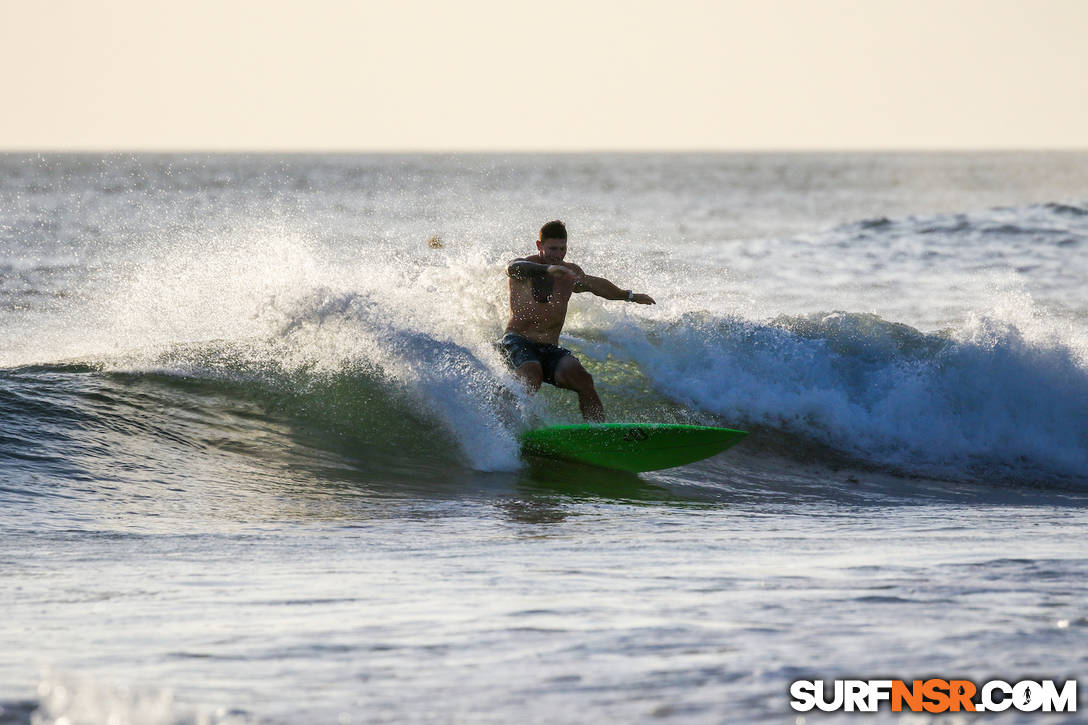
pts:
pixel 540 288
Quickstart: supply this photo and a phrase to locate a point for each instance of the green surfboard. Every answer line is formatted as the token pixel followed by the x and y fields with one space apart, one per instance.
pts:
pixel 632 447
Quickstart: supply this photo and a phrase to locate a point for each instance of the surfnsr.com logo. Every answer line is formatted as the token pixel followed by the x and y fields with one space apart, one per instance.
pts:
pixel 933 695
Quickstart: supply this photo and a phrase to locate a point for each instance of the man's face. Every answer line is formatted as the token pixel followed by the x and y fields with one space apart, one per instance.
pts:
pixel 553 250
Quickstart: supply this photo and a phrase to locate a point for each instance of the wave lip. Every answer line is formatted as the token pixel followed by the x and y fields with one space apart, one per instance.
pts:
pixel 447 381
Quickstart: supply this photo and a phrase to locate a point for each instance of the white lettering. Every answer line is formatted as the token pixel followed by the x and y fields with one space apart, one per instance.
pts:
pixel 1065 701
pixel 1027 696
pixel 803 693
pixel 856 695
pixel 879 690
pixel 988 702
pixel 821 699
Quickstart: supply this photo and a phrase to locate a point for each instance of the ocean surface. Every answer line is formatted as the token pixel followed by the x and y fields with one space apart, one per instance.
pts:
pixel 258 458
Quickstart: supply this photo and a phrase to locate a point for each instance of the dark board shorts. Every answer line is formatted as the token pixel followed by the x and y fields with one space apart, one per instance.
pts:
pixel 519 350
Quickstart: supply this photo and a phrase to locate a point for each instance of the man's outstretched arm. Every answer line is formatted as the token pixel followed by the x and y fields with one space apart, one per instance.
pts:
pixel 603 288
pixel 523 269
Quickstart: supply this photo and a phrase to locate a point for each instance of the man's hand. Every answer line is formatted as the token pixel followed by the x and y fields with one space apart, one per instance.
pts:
pixel 643 299
pixel 559 271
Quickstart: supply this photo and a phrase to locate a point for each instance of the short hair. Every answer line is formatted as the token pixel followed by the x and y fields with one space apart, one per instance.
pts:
pixel 553 230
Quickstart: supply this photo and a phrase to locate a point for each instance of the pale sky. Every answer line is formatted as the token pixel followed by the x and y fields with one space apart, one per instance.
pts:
pixel 559 75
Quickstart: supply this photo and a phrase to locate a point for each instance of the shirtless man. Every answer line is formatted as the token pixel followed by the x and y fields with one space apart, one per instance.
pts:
pixel 540 288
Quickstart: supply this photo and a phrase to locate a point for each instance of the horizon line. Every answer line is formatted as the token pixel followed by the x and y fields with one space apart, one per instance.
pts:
pixel 104 150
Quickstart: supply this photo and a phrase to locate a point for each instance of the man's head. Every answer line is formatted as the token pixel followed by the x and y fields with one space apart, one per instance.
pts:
pixel 553 241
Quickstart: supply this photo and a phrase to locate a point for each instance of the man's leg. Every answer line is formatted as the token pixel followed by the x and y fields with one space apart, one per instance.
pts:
pixel 521 355
pixel 531 374
pixel 570 374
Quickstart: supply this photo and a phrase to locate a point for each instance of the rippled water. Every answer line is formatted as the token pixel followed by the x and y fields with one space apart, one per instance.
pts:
pixel 258 458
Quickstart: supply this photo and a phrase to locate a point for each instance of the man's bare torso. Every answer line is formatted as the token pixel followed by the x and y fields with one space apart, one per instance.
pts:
pixel 538 305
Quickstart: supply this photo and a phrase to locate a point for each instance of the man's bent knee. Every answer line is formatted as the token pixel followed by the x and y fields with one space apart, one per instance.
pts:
pixel 531 374
pixel 573 376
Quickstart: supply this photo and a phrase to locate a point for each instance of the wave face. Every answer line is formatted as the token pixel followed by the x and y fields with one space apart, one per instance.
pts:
pixel 982 401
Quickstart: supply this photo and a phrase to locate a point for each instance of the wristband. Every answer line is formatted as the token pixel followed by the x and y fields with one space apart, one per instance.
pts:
pixel 630 295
